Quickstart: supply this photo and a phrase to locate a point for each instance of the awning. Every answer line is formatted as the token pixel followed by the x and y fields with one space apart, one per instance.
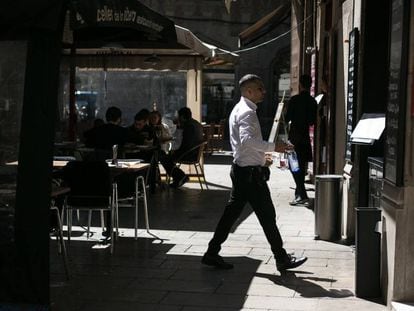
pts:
pixel 211 53
pixel 124 22
pixel 265 24
pixel 175 56
pixel 128 28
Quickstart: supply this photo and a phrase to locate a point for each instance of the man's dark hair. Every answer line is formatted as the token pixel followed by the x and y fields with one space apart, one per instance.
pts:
pixel 305 81
pixel 143 114
pixel 249 78
pixel 113 114
pixel 185 113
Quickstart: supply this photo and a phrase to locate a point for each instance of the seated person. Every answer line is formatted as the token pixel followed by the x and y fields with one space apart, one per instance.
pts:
pixel 163 136
pixel 140 133
pixel 103 137
pixel 192 135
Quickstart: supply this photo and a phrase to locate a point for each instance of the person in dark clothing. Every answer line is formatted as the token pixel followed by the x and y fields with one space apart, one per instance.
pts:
pixel 103 138
pixel 140 133
pixel 192 133
pixel 111 133
pixel 89 135
pixel 249 174
pixel 192 136
pixel 301 113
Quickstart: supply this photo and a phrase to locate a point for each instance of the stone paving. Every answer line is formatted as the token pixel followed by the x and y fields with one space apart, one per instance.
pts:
pixel 162 270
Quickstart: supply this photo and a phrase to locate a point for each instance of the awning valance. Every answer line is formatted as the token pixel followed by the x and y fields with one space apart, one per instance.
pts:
pixel 126 28
pixel 98 22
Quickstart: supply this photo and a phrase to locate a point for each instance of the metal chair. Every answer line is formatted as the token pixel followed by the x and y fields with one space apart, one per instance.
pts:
pixel 91 190
pixel 132 199
pixel 59 239
pixel 193 157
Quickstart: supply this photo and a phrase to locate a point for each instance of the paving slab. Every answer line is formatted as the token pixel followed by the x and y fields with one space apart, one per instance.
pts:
pixel 161 270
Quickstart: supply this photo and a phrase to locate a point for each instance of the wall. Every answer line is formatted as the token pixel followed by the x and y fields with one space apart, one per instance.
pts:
pixel 398 210
pixel 402 269
pixel 194 88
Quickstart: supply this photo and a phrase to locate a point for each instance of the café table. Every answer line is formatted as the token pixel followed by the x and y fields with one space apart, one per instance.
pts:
pixel 150 154
pixel 122 166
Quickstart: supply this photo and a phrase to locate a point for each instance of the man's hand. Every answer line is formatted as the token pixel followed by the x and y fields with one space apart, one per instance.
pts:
pixel 269 159
pixel 283 147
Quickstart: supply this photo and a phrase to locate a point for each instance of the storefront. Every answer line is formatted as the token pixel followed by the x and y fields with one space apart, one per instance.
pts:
pixel 32 59
pixel 352 39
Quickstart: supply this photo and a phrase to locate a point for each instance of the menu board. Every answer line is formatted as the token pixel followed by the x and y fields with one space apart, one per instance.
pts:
pixel 352 90
pixel 396 102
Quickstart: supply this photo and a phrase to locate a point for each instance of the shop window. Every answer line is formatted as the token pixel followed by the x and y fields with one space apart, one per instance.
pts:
pixel 12 75
pixel 131 91
pixel 218 93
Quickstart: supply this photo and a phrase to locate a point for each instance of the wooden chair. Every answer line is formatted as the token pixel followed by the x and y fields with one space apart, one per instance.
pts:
pixel 188 158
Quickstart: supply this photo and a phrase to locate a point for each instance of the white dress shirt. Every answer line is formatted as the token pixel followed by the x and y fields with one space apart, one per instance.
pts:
pixel 245 135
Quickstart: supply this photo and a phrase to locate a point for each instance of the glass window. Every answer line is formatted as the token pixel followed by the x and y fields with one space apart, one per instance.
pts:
pixel 131 91
pixel 218 93
pixel 12 70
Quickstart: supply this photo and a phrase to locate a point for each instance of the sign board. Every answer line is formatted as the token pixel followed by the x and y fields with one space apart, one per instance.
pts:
pixel 114 20
pixel 369 129
pixel 396 102
pixel 352 90
pixel 276 123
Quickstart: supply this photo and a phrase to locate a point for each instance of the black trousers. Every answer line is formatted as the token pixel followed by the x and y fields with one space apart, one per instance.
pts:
pixel 167 161
pixel 249 186
pixel 299 176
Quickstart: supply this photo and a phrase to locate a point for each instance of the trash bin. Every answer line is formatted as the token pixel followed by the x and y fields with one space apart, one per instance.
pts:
pixel 367 253
pixel 328 207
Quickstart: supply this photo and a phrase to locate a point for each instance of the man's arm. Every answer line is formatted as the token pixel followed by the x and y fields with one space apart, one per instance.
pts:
pixel 283 147
pixel 248 128
pixel 313 112
pixel 289 111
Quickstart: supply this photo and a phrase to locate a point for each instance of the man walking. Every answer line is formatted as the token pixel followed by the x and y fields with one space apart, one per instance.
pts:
pixel 301 113
pixel 249 175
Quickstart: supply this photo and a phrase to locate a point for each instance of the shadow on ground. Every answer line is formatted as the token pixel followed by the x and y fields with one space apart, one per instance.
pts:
pixel 144 274
pixel 305 285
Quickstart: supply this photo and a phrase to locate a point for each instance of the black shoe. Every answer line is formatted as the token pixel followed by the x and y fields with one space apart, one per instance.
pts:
pixel 299 201
pixel 106 233
pixel 180 182
pixel 290 262
pixel 216 261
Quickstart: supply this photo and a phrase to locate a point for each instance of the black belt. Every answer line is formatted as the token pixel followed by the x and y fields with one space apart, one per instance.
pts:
pixel 260 172
pixel 250 167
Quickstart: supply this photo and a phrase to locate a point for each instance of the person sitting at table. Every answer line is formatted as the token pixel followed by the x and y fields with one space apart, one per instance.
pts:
pixel 140 144
pixel 89 135
pixel 140 134
pixel 163 136
pixel 111 133
pixel 192 135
